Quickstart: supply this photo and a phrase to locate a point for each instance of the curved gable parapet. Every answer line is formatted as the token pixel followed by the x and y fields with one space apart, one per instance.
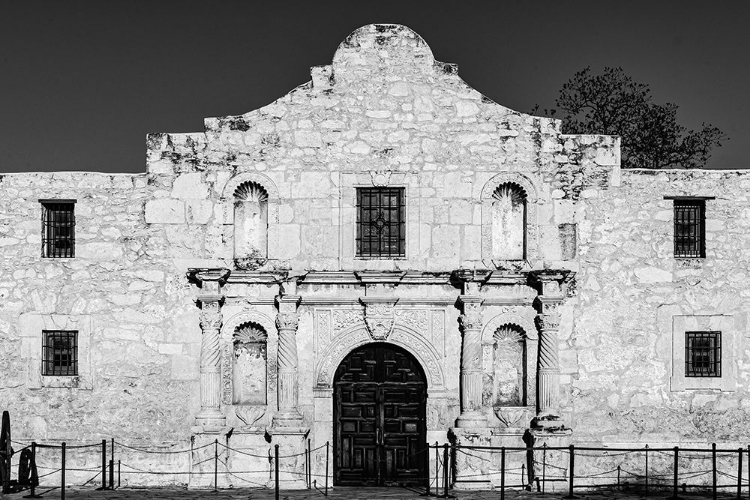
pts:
pixel 377 45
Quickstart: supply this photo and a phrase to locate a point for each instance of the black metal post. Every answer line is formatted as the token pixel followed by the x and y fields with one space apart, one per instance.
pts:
pixel 502 473
pixel 118 473
pixel 216 465
pixel 544 467
pixel 309 465
pixel 713 467
pixel 739 473
pixel 437 468
pixel 618 478
pixel 34 474
pixel 276 469
pixel 427 492
pixel 571 467
pixel 62 474
pixel 646 469
pixel 112 466
pixel 674 482
pixel 104 465
pixel 327 447
pixel 445 470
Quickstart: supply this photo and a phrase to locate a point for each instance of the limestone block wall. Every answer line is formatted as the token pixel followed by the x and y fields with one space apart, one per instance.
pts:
pixel 621 336
pixel 126 294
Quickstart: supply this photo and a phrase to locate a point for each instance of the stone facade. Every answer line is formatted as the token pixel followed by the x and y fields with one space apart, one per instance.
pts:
pixel 221 289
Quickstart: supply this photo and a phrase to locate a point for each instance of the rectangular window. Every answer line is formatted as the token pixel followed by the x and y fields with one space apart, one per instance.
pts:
pixel 60 352
pixel 381 222
pixel 58 229
pixel 703 354
pixel 689 228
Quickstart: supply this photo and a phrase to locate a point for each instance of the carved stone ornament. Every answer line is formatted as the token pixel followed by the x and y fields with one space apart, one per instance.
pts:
pixel 379 317
pixel 287 321
pixel 471 319
pixel 548 321
pixel 380 178
pixel 210 317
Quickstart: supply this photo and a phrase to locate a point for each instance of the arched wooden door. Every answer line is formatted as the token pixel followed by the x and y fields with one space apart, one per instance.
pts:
pixel 379 418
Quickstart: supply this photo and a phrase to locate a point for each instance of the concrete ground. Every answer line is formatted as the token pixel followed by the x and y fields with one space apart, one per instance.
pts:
pixel 339 493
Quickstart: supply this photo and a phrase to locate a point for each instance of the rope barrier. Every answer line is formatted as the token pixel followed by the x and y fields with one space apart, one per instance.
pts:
pixel 143 450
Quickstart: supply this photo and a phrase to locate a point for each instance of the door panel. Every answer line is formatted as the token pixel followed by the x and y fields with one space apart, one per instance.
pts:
pixel 379 418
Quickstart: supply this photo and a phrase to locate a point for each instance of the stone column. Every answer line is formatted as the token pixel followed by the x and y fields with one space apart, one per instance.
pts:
pixel 288 383
pixel 210 415
pixel 548 375
pixel 548 322
pixel 471 364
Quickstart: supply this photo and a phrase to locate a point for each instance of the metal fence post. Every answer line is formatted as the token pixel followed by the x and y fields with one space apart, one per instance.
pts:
pixel 427 492
pixel 647 469
pixel 674 485
pixel 327 446
pixel 62 474
pixel 739 473
pixel 713 467
pixel 502 473
pixel 445 470
pixel 119 462
pixel 437 468
pixel 571 466
pixel 544 467
pixel 216 465
pixel 618 478
pixel 112 466
pixel 104 465
pixel 276 469
pixel 34 473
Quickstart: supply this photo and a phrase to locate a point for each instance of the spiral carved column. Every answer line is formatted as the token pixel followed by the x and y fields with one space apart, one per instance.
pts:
pixel 210 414
pixel 471 364
pixel 548 376
pixel 286 323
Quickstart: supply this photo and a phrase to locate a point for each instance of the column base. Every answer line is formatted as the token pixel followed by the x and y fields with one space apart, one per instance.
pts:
pixel 287 419
pixel 210 420
pixel 472 420
pixel 473 466
pixel 292 443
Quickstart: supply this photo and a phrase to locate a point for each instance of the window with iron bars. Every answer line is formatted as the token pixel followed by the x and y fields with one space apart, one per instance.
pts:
pixel 381 228
pixel 60 352
pixel 703 354
pixel 689 228
pixel 58 229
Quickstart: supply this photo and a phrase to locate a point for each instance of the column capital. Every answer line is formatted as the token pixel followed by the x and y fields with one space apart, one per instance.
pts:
pixel 552 281
pixel 547 322
pixel 287 321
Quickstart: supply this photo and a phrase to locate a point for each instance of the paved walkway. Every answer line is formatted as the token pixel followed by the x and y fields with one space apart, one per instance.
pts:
pixel 340 493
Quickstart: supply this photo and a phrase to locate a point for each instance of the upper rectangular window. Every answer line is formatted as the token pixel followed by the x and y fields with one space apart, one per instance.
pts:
pixel 689 228
pixel 703 354
pixel 381 228
pixel 58 229
pixel 60 352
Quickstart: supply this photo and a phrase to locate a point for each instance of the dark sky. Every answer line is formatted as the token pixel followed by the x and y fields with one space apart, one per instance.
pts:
pixel 81 83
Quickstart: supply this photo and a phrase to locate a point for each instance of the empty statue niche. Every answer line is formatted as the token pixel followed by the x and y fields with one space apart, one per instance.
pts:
pixel 509 367
pixel 250 225
pixel 250 369
pixel 509 222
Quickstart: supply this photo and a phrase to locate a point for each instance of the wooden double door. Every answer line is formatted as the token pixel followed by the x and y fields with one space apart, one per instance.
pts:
pixel 379 418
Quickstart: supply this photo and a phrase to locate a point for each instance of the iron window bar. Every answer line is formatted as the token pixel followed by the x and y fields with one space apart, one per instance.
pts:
pixel 58 229
pixel 381 223
pixel 703 354
pixel 60 353
pixel 689 228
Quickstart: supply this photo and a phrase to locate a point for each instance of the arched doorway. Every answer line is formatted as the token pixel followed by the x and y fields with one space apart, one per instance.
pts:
pixel 379 399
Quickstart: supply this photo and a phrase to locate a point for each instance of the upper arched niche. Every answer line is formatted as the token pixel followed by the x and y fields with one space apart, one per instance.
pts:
pixel 375 45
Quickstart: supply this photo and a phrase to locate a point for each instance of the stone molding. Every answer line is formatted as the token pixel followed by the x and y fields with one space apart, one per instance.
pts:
pixel 347 340
pixel 532 222
pixel 227 353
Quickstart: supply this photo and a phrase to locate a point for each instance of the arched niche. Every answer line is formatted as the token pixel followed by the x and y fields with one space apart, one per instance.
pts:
pixel 246 327
pixel 510 349
pixel 509 220
pixel 250 367
pixel 251 202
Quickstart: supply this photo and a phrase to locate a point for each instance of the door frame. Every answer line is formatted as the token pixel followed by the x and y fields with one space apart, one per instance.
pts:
pixel 381 446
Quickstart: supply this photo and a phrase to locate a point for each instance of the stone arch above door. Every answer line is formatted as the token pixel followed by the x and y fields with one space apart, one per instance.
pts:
pixel 415 344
